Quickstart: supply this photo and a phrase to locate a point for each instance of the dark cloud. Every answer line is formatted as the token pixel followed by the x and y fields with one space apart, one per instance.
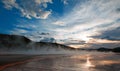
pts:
pixel 118 9
pixel 105 45
pixel 110 34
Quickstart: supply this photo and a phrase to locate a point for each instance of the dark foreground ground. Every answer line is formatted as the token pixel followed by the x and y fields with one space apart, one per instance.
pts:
pixel 8 60
pixel 56 62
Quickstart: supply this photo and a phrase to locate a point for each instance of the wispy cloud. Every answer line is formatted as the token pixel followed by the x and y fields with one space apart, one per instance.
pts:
pixel 86 20
pixel 90 18
pixel 19 31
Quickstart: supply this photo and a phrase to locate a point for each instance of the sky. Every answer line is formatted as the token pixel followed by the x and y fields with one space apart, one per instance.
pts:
pixel 77 23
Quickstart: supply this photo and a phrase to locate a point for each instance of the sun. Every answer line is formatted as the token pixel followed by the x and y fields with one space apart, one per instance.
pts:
pixel 85 38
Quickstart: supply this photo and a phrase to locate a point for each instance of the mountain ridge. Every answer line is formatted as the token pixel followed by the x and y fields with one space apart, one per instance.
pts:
pixel 21 43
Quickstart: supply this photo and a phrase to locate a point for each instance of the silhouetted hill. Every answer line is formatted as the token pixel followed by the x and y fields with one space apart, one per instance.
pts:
pixel 13 40
pixel 21 43
pixel 13 43
pixel 56 45
pixel 117 49
pixel 103 49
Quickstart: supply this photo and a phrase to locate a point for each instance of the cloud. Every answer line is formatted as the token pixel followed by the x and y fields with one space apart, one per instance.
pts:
pixel 105 45
pixel 29 9
pixel 60 23
pixel 65 2
pixel 45 14
pixel 90 18
pixel 19 31
pixel 110 34
pixel 43 1
pixel 26 26
pixel 98 41
pixel 9 4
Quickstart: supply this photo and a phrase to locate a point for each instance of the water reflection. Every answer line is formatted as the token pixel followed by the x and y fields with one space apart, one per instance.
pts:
pixel 88 63
pixel 91 62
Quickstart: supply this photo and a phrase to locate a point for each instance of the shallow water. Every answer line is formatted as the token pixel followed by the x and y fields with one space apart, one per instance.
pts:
pixel 89 61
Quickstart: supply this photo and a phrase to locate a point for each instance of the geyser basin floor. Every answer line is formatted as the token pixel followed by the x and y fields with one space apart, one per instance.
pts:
pixel 57 62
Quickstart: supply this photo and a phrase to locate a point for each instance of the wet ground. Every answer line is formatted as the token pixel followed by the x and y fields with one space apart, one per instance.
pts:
pixel 56 62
